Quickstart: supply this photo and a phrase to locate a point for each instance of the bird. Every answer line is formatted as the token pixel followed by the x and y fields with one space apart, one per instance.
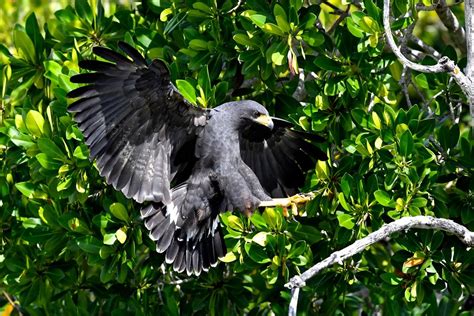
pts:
pixel 184 163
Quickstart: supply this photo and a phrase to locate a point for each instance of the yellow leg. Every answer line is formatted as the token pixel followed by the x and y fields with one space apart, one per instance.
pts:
pixel 292 201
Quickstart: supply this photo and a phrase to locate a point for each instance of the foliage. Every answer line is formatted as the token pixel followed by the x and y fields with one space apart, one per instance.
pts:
pixel 71 244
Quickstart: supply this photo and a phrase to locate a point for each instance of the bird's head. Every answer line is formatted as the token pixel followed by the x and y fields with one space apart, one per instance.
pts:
pixel 253 113
pixel 245 116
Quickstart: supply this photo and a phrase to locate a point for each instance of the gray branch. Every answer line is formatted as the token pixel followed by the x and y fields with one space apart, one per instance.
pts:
pixel 403 224
pixel 469 17
pixel 444 63
pixel 456 31
pixel 430 50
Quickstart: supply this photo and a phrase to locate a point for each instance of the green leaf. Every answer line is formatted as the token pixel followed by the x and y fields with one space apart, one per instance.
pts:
pixel 343 202
pixel 35 123
pixel 406 143
pixel 81 152
pixel 347 182
pixel 47 162
pixel 272 218
pixel 187 90
pixel 202 7
pixel 391 278
pixel 198 44
pixel 354 28
pixel 313 37
pixel 121 235
pixel 272 29
pixel 119 211
pixel 83 10
pixel 279 11
pixel 243 39
pixel 204 81
pixel 24 45
pixel 26 188
pixel 258 221
pixel 235 223
pixel 384 199
pixel 260 238
pixel 258 19
pixel 33 31
pixel 376 120
pixel 50 148
pixel 109 239
pixel 345 220
pixel 297 249
pixel 308 233
pixel 89 244
pixel 326 63
pixel 256 253
pixel 229 257
pixel 419 202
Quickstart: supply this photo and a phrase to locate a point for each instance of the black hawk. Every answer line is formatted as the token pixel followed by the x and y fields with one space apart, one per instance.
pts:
pixel 190 163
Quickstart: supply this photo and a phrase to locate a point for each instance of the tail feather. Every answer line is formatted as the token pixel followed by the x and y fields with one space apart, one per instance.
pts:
pixel 172 251
pixel 189 244
pixel 163 244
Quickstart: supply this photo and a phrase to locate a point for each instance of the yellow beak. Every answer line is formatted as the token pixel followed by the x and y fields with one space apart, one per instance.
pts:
pixel 265 120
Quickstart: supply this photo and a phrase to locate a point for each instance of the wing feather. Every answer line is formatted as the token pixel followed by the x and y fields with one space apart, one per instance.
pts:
pixel 134 122
pixel 280 158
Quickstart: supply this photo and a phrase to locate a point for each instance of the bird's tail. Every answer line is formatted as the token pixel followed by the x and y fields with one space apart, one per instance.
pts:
pixel 191 243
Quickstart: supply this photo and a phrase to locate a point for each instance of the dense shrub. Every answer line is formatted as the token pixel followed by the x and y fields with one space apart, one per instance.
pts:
pixel 70 244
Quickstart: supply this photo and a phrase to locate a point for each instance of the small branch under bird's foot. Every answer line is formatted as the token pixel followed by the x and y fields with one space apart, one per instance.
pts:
pixel 292 201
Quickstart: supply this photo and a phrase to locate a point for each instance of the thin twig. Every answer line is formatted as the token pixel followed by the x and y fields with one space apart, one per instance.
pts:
pixel 404 82
pixel 339 19
pixel 235 8
pixel 403 224
pixel 10 300
pixel 332 6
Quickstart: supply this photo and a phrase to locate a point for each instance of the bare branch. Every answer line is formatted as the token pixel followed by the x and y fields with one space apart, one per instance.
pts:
pixel 340 18
pixel 403 224
pixel 404 82
pixel 430 50
pixel 469 18
pixel 332 6
pixel 421 7
pixel 456 31
pixel 295 292
pixel 12 303
pixel 235 8
pixel 444 63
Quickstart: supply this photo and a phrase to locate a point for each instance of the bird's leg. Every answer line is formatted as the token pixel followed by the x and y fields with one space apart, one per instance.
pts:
pixel 292 201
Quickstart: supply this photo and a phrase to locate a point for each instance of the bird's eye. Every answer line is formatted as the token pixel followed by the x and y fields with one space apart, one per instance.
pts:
pixel 256 114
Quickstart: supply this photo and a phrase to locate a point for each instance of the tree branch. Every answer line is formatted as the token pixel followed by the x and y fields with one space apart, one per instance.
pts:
pixel 430 50
pixel 444 63
pixel 12 303
pixel 456 31
pixel 469 17
pixel 235 7
pixel 405 223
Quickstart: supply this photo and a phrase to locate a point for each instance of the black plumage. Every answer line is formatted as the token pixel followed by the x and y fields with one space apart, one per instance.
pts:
pixel 189 163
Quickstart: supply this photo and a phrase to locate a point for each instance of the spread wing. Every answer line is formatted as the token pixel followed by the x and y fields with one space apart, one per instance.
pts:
pixel 140 130
pixel 281 157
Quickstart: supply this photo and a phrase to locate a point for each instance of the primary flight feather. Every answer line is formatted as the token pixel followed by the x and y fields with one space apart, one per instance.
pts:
pixel 190 163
